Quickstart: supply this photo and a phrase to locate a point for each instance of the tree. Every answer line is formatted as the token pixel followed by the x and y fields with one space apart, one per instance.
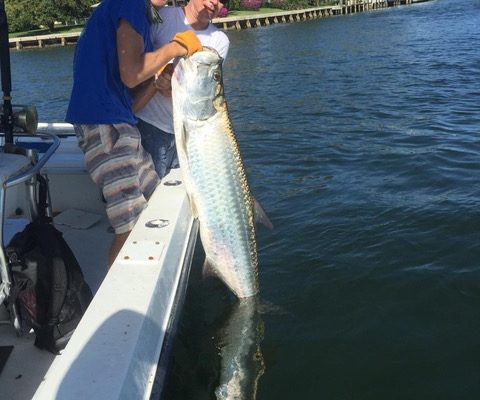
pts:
pixel 72 9
pixel 49 11
pixel 27 14
pixel 46 12
pixel 19 15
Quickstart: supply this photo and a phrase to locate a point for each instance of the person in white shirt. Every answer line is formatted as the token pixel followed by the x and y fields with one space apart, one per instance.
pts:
pixel 153 104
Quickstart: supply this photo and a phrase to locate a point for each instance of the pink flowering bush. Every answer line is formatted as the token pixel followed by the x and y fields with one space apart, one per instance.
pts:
pixel 250 4
pixel 223 12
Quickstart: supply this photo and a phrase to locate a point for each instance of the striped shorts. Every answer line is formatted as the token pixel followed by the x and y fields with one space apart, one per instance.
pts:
pixel 120 166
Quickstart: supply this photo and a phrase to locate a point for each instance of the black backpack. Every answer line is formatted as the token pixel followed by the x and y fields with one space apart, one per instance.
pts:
pixel 48 284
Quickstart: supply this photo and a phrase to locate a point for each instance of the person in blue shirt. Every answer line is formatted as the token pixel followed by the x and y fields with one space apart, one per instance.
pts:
pixel 114 54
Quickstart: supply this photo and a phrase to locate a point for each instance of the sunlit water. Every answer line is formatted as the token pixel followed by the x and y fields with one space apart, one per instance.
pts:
pixel 360 134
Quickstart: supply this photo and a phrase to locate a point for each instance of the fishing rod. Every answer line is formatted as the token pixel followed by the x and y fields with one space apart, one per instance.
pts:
pixel 7 118
pixel 23 117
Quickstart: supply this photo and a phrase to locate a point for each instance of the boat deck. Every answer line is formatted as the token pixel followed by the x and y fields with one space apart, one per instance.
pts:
pixel 122 337
pixel 20 379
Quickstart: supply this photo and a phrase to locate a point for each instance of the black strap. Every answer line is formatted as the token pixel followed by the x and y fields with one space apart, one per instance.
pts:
pixel 51 241
pixel 42 199
pixel 58 291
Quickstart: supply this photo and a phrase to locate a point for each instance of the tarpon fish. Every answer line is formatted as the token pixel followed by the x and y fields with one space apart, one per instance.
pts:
pixel 214 173
pixel 242 362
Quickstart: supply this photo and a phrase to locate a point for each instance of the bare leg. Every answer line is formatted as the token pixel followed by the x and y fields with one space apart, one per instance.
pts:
pixel 117 243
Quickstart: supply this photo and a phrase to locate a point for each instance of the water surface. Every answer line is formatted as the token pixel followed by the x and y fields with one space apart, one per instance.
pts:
pixel 360 134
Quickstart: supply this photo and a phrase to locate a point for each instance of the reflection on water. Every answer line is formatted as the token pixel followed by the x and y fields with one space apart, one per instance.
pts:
pixel 242 362
pixel 220 357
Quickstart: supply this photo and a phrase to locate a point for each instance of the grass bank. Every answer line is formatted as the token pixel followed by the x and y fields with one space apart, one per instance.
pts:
pixel 46 31
pixel 261 10
pixel 78 28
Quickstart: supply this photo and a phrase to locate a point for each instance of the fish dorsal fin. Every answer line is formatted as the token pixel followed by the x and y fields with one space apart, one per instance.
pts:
pixel 261 215
pixel 207 269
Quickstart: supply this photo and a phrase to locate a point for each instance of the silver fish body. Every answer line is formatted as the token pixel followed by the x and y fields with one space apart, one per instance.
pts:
pixel 214 173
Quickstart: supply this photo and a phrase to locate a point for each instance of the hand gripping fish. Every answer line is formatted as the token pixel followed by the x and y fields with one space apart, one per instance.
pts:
pixel 214 173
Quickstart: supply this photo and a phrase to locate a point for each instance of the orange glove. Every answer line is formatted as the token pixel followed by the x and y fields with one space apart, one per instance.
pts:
pixel 189 40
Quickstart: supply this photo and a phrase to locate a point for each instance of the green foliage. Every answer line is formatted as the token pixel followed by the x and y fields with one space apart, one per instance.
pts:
pixel 27 14
pixel 19 18
pixel 46 12
pixel 234 5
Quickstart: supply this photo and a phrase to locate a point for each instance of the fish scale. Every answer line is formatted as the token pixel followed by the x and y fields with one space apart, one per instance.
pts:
pixel 217 181
pixel 214 174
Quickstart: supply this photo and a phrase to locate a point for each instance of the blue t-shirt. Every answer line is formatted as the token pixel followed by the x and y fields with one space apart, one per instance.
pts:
pixel 99 95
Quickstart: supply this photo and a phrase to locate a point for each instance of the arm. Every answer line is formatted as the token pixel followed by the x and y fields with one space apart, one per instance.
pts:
pixel 161 83
pixel 142 94
pixel 135 65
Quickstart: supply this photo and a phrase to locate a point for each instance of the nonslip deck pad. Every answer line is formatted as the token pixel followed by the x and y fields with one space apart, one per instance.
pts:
pixel 5 352
pixel 77 219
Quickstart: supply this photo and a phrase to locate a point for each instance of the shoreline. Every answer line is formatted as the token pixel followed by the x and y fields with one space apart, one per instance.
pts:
pixel 236 23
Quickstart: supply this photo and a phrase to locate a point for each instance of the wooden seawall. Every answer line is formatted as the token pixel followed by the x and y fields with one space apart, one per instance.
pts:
pixel 256 20
pixel 61 39
pixel 237 22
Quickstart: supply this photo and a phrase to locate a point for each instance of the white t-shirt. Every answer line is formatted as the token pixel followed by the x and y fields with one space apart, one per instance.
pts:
pixel 158 111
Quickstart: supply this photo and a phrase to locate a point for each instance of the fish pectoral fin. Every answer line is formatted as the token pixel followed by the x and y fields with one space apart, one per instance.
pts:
pixel 261 215
pixel 207 270
pixel 181 143
pixel 193 206
pixel 181 138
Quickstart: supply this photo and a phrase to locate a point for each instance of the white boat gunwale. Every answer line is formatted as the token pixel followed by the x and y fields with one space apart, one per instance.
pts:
pixel 126 369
